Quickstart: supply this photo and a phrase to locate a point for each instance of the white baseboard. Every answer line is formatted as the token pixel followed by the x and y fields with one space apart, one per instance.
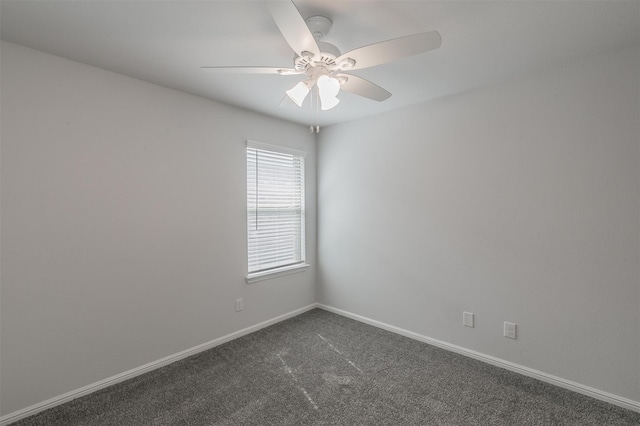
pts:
pixel 526 371
pixel 61 399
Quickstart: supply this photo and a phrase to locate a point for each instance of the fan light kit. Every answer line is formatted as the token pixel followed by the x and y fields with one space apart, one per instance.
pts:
pixel 324 66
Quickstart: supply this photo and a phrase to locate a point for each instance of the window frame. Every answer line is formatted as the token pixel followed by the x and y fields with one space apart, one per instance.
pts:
pixel 289 268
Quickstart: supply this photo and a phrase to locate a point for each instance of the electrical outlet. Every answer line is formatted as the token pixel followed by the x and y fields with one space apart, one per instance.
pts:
pixel 239 305
pixel 510 330
pixel 467 319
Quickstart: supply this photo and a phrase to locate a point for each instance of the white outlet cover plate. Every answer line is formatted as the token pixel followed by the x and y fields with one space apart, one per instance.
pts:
pixel 509 330
pixel 467 319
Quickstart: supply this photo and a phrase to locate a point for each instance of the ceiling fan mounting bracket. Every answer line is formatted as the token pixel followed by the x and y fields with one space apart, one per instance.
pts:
pixel 319 26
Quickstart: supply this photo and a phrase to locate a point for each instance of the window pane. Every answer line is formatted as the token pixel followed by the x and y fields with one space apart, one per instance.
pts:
pixel 275 209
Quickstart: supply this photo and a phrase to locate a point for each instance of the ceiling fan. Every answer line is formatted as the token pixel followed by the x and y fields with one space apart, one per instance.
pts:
pixel 322 63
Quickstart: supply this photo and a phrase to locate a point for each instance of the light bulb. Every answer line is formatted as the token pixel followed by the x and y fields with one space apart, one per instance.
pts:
pixel 328 88
pixel 298 93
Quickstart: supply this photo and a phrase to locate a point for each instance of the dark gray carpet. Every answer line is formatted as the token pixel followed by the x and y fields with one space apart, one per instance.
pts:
pixel 321 368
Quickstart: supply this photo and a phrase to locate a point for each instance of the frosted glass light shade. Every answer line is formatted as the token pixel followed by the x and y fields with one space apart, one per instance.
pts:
pixel 328 88
pixel 298 93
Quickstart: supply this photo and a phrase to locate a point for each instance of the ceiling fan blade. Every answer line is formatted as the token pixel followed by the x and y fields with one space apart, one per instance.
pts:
pixel 293 27
pixel 390 50
pixel 252 70
pixel 362 87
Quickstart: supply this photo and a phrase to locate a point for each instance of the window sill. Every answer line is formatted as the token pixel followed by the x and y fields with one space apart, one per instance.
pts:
pixel 286 270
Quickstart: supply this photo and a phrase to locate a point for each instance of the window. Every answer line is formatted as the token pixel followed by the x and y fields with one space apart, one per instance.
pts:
pixel 275 210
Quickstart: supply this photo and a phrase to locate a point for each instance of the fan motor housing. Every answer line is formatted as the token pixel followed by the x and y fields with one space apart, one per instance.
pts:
pixel 326 58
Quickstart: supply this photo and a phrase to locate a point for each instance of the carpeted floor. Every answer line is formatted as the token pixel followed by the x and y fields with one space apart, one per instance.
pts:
pixel 323 369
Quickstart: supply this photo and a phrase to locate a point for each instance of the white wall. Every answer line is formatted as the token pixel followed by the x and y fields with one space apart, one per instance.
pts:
pixel 518 203
pixel 123 224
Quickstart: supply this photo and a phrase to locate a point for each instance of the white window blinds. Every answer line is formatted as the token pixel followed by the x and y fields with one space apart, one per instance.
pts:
pixel 275 207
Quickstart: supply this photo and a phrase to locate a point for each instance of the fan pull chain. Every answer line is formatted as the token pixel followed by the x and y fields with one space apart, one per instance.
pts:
pixel 315 103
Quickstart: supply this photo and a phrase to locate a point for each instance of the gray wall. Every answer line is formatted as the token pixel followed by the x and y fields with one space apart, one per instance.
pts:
pixel 517 202
pixel 123 224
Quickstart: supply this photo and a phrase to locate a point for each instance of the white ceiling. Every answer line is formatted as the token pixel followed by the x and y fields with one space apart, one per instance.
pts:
pixel 166 42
